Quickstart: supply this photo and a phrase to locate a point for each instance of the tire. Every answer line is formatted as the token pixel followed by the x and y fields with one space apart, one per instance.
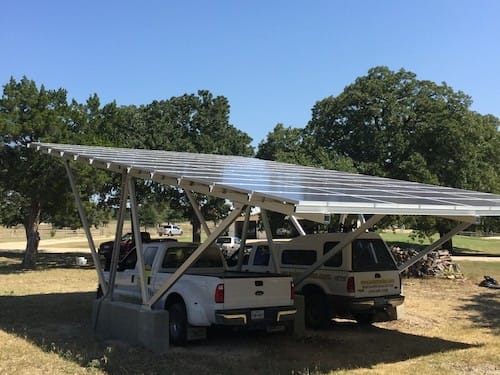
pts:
pixel 177 323
pixel 316 311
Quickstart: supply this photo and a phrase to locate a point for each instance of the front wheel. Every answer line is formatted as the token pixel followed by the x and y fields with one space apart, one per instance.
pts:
pixel 177 323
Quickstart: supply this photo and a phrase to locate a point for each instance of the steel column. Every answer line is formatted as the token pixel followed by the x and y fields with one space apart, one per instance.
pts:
pixel 297 225
pixel 86 227
pixel 269 235
pixel 118 234
pixel 136 229
pixel 197 211
pixel 241 250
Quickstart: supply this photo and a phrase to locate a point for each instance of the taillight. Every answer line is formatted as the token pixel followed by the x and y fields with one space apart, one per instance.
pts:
pixel 292 290
pixel 219 293
pixel 350 285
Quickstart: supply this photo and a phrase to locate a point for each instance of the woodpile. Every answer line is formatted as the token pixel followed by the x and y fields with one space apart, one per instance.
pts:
pixel 437 263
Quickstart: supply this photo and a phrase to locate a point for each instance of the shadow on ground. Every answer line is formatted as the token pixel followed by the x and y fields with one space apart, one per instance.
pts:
pixel 471 252
pixel 61 323
pixel 12 260
pixel 485 309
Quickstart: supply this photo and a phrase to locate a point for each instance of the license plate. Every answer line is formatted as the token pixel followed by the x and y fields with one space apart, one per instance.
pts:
pixel 257 314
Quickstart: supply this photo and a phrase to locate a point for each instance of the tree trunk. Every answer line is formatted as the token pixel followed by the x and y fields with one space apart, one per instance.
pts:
pixel 32 236
pixel 448 245
pixel 196 229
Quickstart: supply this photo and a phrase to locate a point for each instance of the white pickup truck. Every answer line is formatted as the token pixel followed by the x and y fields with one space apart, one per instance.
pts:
pixel 361 281
pixel 207 294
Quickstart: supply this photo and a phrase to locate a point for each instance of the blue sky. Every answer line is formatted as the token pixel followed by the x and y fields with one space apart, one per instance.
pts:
pixel 272 59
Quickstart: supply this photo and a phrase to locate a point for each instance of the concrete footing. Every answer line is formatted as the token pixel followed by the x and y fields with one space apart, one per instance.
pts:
pixel 131 323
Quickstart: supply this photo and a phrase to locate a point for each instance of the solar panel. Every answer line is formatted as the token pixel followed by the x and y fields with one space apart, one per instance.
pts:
pixel 283 187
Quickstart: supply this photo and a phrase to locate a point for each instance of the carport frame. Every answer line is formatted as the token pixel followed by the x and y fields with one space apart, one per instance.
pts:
pixel 138 165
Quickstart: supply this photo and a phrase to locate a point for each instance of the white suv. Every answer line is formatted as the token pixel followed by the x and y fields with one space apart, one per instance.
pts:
pixel 169 230
pixel 228 245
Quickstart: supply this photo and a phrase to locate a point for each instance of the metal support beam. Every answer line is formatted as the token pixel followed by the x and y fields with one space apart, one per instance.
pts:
pixel 241 250
pixel 118 234
pixel 346 240
pixel 297 225
pixel 86 227
pixel 136 229
pixel 196 209
pixel 269 235
pixel 194 256
pixel 410 262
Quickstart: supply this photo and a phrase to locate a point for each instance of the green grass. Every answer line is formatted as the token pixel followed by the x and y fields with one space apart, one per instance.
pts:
pixel 463 245
pixel 474 270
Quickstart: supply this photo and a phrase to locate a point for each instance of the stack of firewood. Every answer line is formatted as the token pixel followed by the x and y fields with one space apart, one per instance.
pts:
pixel 437 263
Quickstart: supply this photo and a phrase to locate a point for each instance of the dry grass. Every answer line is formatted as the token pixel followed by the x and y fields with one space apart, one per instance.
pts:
pixel 450 327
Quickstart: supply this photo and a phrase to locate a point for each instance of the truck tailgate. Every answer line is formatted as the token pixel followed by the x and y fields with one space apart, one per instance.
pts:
pixel 377 283
pixel 257 292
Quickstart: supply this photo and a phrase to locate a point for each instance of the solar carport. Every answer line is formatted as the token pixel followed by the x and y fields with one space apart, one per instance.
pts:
pixel 297 191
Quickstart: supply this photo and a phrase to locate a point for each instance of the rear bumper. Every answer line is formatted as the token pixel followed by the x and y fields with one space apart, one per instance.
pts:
pixel 255 317
pixel 363 304
pixel 381 308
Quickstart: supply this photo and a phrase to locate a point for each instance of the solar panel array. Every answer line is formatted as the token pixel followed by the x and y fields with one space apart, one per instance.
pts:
pixel 308 190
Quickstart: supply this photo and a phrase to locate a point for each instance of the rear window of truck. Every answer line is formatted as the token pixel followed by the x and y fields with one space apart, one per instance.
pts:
pixel 371 255
pixel 176 256
pixel 336 260
pixel 298 257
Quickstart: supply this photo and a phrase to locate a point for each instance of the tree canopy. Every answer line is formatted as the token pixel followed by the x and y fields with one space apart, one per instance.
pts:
pixel 34 187
pixel 391 124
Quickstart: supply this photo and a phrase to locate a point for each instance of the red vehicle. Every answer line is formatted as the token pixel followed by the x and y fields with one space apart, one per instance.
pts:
pixel 127 243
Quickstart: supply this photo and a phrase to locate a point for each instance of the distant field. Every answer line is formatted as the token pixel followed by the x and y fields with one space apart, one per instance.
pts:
pixel 463 245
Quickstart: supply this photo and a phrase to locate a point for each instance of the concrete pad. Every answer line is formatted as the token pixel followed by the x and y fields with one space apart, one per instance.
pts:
pixel 131 323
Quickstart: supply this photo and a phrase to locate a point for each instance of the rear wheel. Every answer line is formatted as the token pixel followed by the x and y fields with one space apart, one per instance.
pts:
pixel 177 323
pixel 316 311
